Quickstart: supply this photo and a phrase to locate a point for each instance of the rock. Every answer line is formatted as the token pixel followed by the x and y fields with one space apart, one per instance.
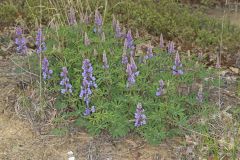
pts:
pixel 1 58
pixel 234 70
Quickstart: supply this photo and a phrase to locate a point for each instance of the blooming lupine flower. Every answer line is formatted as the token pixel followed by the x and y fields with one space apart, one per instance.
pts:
pixel 160 90
pixel 133 67
pixel 87 84
pixel 41 45
pixel 89 111
pixel 105 61
pixel 86 40
pixel 200 95
pixel 20 41
pixel 149 53
pixel 131 76
pixel 45 71
pixel 72 17
pixel 140 117
pixel 67 87
pixel 178 64
pixel 129 39
pixel 171 47
pixel 161 44
pixel 98 22
pixel 118 33
pixel 124 57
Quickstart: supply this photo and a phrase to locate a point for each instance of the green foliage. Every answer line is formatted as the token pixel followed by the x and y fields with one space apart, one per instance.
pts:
pixel 116 104
pixel 8 13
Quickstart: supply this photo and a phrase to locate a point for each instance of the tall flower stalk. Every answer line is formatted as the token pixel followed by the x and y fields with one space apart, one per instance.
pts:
pixel 171 47
pixel 87 84
pixel 177 65
pixel 67 87
pixel 161 44
pixel 140 117
pixel 40 43
pixel 149 54
pixel 20 41
pixel 46 72
pixel 71 17
pixel 160 89
pixel 105 61
pixel 132 72
pixel 98 22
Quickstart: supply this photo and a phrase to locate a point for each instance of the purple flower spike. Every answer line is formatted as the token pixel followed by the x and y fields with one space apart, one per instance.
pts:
pixel 45 71
pixel 20 41
pixel 67 87
pixel 124 58
pixel 105 61
pixel 98 22
pixel 161 44
pixel 129 39
pixel 87 83
pixel 41 45
pixel 89 111
pixel 71 17
pixel 178 64
pixel 86 40
pixel 160 90
pixel 200 95
pixel 149 53
pixel 118 33
pixel 131 72
pixel 140 117
pixel 171 47
pixel 133 67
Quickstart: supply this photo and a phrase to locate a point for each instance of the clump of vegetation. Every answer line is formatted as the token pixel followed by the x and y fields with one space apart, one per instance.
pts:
pixel 8 14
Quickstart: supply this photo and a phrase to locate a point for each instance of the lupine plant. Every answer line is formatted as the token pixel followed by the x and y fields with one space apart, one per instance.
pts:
pixel 160 89
pixel 177 65
pixel 171 47
pixel 40 43
pixel 46 72
pixel 140 117
pixel 20 41
pixel 67 87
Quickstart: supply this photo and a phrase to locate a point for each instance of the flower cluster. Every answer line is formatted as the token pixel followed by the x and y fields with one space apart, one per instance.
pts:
pixel 98 22
pixel 131 72
pixel 41 45
pixel 161 44
pixel 71 17
pixel 171 47
pixel 118 33
pixel 67 87
pixel 149 54
pixel 129 40
pixel 45 71
pixel 20 41
pixel 140 117
pixel 105 61
pixel 178 64
pixel 160 90
pixel 88 83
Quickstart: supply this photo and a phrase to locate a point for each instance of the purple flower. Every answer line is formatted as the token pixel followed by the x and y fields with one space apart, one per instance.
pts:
pixel 20 41
pixel 124 58
pixel 131 72
pixel 160 90
pixel 118 33
pixel 45 71
pixel 86 40
pixel 105 61
pixel 98 22
pixel 171 47
pixel 89 111
pixel 161 44
pixel 41 45
pixel 129 39
pixel 140 117
pixel 178 64
pixel 87 83
pixel 200 95
pixel 149 53
pixel 72 17
pixel 67 87
pixel 133 67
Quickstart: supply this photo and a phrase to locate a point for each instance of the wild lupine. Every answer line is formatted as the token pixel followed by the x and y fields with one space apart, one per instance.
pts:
pixel 105 61
pixel 129 39
pixel 131 76
pixel 133 67
pixel 67 87
pixel 160 90
pixel 161 44
pixel 89 111
pixel 171 47
pixel 118 33
pixel 88 83
pixel 46 72
pixel 20 41
pixel 71 17
pixel 124 57
pixel 178 64
pixel 86 40
pixel 98 22
pixel 140 117
pixel 200 95
pixel 41 45
pixel 149 53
